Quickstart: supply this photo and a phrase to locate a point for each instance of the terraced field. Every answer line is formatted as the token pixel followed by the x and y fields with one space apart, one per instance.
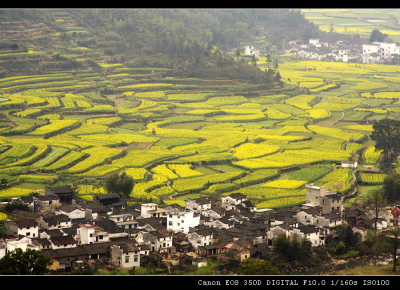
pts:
pixel 180 138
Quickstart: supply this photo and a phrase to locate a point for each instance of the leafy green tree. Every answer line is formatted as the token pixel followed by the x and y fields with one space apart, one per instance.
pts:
pixel 376 203
pixel 119 183
pixel 394 243
pixel 386 134
pixel 11 206
pixel 378 36
pixel 29 262
pixel 391 187
pixel 253 266
pixel 291 249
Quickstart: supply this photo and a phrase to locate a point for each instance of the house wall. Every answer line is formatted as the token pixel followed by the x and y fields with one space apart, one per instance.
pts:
pixel 32 232
pixel 182 221
pixel 87 235
pixel 370 48
pixel 125 260
pixel 198 240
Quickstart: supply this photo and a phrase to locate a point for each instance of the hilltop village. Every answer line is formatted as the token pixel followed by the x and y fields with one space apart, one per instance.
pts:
pixel 108 233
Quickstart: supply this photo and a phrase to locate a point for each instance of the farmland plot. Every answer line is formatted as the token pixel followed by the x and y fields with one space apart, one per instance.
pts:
pixel 177 141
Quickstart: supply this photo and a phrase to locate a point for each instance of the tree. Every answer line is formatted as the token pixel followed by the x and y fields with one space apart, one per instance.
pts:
pixel 253 266
pixel 291 249
pixel 386 134
pixel 377 202
pixel 11 206
pixel 391 187
pixel 378 36
pixel 394 243
pixel 29 262
pixel 119 183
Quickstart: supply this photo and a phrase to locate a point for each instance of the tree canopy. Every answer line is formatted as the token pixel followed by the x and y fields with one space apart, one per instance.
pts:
pixel 378 36
pixel 386 134
pixel 29 262
pixel 119 183
pixel 253 266
pixel 391 187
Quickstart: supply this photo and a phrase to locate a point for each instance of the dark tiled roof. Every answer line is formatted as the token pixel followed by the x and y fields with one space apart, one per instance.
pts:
pixel 25 223
pixel 63 240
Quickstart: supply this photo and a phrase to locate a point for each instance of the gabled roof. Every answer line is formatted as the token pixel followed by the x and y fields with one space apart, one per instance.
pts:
pixel 60 189
pixel 238 196
pixel 68 207
pixel 26 223
pixel 63 240
pixel 55 220
pixel 109 226
pixel 128 248
pixel 202 200
pixel 54 233
pixel 309 229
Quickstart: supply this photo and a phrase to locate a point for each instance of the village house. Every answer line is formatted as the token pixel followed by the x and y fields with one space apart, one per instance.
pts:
pixel 251 50
pixel 240 251
pixel 198 205
pixel 349 164
pixel 231 201
pixel 125 220
pixel 25 227
pixel 321 196
pixel 200 237
pixel 156 240
pixel 72 211
pixel 111 200
pixel 222 223
pixel 64 193
pixel 90 234
pixel 213 213
pixel 152 210
pixel 55 222
pixel 380 51
pixel 13 242
pixel 182 220
pixel 312 233
pixel 62 242
pixel 126 255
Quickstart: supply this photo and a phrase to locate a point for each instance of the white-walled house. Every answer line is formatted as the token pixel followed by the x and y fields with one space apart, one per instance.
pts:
pixel 155 240
pixel 124 220
pixel 373 52
pixel 349 164
pixel 251 50
pixel 371 48
pixel 311 233
pixel 200 238
pixel 55 222
pixel 181 221
pixel 148 210
pixel 126 255
pixel 73 212
pixel 198 205
pixel 63 242
pixel 313 41
pixel 23 243
pixel 26 227
pixel 90 234
pixel 231 201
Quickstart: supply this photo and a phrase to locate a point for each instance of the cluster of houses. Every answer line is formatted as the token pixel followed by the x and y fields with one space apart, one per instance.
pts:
pixel 375 52
pixel 108 233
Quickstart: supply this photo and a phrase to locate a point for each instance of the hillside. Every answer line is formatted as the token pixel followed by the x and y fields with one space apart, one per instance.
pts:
pixel 86 93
